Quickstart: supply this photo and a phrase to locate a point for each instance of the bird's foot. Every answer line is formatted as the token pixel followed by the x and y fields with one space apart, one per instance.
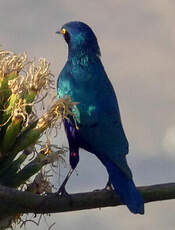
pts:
pixel 62 193
pixel 108 187
pixel 96 190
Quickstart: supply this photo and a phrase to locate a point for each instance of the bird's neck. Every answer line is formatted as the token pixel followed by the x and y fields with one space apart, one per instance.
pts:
pixel 82 57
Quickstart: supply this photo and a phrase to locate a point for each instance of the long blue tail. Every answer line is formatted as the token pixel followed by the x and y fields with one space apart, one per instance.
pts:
pixel 125 188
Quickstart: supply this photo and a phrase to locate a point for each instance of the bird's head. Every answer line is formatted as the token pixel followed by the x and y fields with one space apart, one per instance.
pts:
pixel 80 38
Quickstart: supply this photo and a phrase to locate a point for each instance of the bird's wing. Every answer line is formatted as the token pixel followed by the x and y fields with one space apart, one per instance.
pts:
pixel 100 122
pixel 106 138
pixel 97 113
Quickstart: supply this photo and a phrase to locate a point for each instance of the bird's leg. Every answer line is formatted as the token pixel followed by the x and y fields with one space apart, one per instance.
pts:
pixel 74 159
pixel 62 190
pixel 108 186
pixel 71 132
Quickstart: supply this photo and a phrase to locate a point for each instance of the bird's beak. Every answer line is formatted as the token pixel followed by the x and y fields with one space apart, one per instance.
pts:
pixel 58 32
pixel 62 31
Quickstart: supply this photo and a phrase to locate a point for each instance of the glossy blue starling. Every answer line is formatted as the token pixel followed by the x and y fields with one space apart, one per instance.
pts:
pixel 97 115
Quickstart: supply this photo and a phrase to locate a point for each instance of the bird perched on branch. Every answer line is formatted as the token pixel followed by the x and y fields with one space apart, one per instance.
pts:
pixel 96 126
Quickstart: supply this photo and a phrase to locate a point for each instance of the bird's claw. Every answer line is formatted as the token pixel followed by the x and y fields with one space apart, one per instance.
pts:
pixel 108 187
pixel 48 193
pixel 62 193
pixel 96 190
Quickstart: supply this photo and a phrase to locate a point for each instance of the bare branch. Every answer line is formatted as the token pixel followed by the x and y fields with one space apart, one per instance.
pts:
pixel 13 201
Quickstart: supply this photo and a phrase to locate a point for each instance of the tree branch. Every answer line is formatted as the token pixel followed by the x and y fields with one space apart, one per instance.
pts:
pixel 13 201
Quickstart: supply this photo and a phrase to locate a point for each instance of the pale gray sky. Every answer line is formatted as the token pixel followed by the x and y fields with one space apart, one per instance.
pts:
pixel 137 40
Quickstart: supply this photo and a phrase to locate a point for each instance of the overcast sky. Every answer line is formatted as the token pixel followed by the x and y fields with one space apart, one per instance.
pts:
pixel 137 41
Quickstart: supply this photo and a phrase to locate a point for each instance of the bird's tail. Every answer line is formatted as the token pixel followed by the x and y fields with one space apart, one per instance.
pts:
pixel 125 188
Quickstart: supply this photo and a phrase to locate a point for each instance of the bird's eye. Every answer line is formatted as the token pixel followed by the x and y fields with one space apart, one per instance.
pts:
pixel 66 35
pixel 63 31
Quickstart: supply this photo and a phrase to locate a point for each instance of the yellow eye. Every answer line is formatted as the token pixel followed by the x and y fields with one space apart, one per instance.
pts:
pixel 63 31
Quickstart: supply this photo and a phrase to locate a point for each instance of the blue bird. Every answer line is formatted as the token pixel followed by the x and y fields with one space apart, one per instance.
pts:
pixel 97 115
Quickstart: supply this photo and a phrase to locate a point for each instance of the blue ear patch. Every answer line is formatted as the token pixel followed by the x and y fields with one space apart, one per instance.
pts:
pixel 78 39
